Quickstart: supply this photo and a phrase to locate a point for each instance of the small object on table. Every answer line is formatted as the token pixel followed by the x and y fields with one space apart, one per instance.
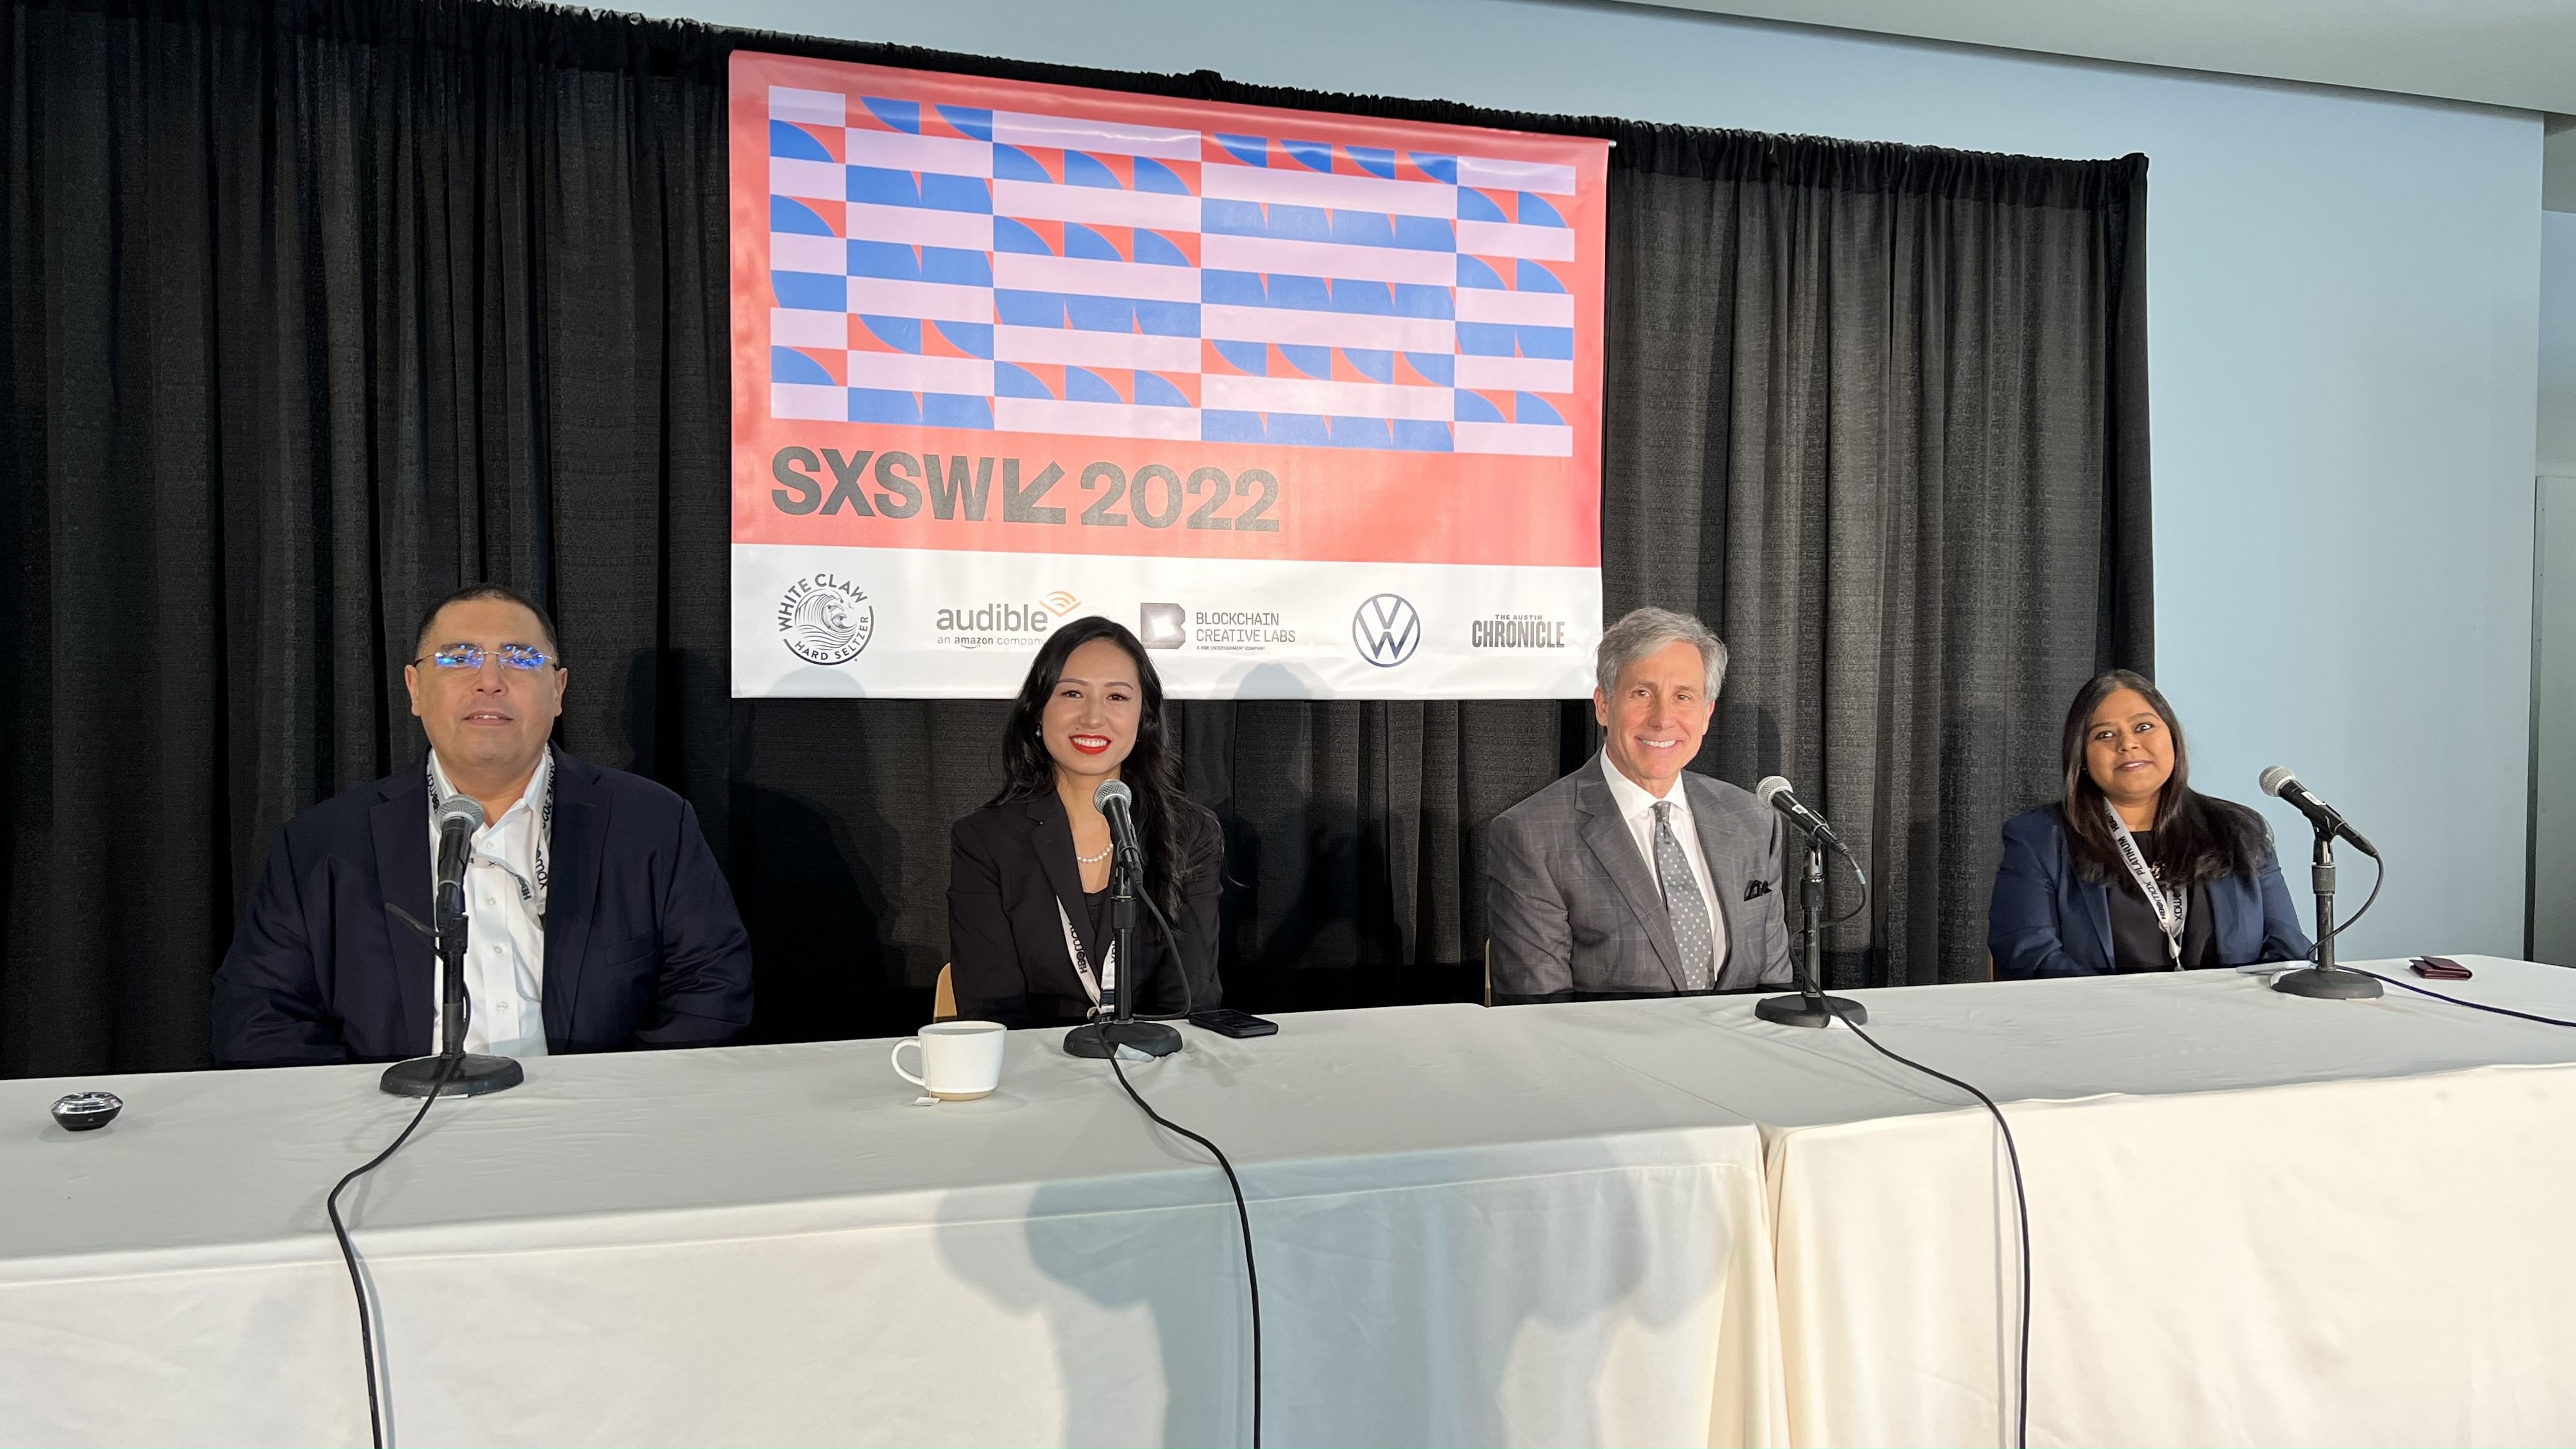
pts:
pixel 1226 1021
pixel 87 1111
pixel 2439 968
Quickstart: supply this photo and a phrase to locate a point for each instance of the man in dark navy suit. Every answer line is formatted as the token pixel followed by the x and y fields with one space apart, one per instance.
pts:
pixel 597 919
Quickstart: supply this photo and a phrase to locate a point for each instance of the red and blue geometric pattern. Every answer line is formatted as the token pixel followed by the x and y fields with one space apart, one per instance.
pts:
pixel 954 267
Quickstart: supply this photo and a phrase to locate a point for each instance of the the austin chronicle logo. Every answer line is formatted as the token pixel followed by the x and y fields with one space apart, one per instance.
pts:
pixel 825 619
pixel 1386 630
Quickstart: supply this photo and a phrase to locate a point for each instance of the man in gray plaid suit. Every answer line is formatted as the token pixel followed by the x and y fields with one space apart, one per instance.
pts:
pixel 1632 876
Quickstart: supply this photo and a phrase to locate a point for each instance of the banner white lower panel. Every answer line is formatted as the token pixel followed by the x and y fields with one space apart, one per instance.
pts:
pixel 818 622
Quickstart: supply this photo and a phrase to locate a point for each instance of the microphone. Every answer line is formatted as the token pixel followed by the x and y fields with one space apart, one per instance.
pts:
pixel 1118 803
pixel 1811 1006
pixel 451 1071
pixel 1775 792
pixel 1115 1025
pixel 2281 784
pixel 459 816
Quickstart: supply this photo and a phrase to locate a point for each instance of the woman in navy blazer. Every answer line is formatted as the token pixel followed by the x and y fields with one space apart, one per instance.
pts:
pixel 2066 901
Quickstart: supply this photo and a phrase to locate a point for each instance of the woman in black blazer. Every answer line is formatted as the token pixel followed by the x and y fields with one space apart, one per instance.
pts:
pixel 1028 875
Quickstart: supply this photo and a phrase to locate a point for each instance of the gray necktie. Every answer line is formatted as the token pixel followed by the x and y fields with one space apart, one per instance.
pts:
pixel 1682 902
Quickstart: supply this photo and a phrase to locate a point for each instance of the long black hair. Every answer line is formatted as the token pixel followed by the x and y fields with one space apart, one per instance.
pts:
pixel 1152 770
pixel 2198 838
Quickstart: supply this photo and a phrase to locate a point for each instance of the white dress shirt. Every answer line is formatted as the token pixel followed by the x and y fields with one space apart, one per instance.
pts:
pixel 505 914
pixel 1638 809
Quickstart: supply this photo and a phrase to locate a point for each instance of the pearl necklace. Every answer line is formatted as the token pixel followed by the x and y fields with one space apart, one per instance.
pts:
pixel 1097 859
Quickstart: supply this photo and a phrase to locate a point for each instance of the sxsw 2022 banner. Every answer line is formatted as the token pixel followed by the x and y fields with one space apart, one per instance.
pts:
pixel 1311 402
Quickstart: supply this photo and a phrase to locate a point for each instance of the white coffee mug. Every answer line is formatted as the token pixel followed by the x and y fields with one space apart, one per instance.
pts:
pixel 960 1060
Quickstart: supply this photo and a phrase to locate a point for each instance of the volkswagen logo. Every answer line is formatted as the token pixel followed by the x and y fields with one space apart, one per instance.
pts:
pixel 1386 630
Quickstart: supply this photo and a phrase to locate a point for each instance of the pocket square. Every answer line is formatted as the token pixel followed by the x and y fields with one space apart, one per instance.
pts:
pixel 1756 889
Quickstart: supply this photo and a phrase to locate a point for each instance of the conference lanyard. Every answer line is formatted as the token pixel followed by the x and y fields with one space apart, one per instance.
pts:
pixel 1082 962
pixel 532 896
pixel 2169 909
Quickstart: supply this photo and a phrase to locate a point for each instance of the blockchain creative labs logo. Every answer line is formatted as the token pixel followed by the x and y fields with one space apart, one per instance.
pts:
pixel 1386 630
pixel 826 619
pixel 1162 626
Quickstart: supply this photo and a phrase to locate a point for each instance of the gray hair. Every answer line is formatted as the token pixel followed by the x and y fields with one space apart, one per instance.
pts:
pixel 1644 631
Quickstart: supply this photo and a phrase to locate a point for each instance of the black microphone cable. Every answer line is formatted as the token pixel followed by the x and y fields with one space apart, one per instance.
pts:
pixel 349 1254
pixel 2457 1001
pixel 2012 1155
pixel 2021 1210
pixel 2347 923
pixel 2367 902
pixel 1172 938
pixel 1243 1214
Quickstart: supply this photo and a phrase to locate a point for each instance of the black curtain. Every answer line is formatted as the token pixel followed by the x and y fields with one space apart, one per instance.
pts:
pixel 315 311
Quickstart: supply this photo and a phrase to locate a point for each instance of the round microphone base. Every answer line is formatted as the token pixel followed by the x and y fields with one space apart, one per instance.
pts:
pixel 1104 1038
pixel 473 1076
pixel 2327 985
pixel 1802 1011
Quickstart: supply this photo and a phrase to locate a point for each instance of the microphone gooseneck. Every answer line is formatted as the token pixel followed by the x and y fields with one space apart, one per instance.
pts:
pixel 2323 980
pixel 458 817
pixel 1811 1006
pixel 2281 784
pixel 1776 792
pixel 450 1070
pixel 460 807
pixel 1114 1022
pixel 1117 804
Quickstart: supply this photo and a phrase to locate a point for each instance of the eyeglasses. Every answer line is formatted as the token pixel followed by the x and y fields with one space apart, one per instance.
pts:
pixel 472 656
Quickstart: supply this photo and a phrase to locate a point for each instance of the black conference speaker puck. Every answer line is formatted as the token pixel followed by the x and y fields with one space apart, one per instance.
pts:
pixel 87 1111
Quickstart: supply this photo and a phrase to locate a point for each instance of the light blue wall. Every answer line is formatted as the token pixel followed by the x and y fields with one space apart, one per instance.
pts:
pixel 2558 343
pixel 2553 844
pixel 2343 293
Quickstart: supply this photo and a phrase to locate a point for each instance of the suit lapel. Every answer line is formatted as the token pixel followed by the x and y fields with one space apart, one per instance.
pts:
pixel 2097 911
pixel 400 824
pixel 1730 866
pixel 2235 918
pixel 1611 844
pixel 1051 840
pixel 572 887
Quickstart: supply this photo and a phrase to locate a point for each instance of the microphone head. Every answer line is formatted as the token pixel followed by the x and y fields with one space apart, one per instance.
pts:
pixel 457 808
pixel 1770 786
pixel 1112 790
pixel 2275 777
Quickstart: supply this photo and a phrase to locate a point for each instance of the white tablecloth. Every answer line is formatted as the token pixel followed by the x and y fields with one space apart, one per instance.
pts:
pixel 2256 1219
pixel 1466 1234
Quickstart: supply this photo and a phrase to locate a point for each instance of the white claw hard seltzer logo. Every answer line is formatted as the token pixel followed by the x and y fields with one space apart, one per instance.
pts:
pixel 1386 630
pixel 825 619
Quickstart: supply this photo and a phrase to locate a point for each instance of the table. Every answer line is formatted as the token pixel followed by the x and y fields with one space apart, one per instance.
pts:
pixel 1466 1234
pixel 2255 1219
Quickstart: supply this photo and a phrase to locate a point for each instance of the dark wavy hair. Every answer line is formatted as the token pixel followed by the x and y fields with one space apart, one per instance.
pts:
pixel 1152 770
pixel 2198 837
